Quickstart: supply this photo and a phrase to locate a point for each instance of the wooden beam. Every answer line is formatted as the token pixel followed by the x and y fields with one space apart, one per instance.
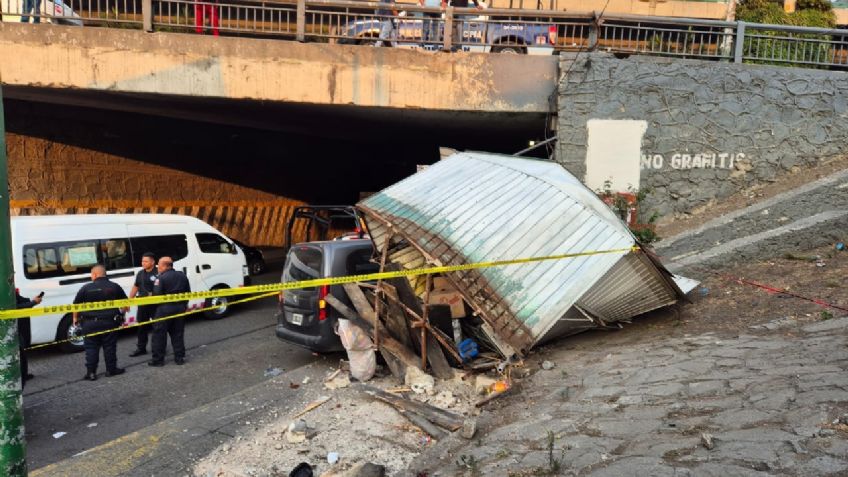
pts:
pixel 390 345
pixel 442 417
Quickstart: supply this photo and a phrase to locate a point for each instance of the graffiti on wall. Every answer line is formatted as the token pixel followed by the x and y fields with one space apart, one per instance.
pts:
pixel 712 160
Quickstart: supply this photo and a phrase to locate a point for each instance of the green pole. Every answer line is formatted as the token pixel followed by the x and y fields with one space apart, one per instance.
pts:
pixel 12 443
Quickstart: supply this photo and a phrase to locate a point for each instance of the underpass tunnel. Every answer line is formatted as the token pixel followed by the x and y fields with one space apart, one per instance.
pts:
pixel 238 165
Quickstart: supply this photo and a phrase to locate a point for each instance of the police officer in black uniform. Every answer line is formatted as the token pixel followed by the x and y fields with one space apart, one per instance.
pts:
pixel 25 333
pixel 100 289
pixel 143 286
pixel 170 281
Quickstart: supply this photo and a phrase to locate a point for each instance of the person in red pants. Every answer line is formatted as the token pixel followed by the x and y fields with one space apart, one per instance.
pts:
pixel 201 10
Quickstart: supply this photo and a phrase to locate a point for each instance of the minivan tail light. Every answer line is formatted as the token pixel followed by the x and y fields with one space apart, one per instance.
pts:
pixel 322 304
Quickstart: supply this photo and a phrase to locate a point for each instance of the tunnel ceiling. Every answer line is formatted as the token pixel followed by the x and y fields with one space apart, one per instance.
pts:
pixel 319 154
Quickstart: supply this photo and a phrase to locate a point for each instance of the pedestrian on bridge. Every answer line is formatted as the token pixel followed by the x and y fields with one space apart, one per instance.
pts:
pixel 386 13
pixel 169 282
pixel 101 322
pixel 201 10
pixel 143 286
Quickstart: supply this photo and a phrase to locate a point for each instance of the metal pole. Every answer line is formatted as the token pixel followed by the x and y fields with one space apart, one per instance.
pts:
pixel 740 42
pixel 147 14
pixel 447 35
pixel 301 20
pixel 12 444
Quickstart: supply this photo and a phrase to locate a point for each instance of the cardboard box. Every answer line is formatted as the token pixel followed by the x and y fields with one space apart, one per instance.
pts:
pixel 442 283
pixel 449 297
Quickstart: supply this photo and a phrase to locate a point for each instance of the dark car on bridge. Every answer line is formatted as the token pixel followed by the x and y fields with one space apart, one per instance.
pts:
pixel 304 317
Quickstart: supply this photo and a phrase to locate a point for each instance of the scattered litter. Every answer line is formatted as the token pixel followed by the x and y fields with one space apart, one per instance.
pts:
pixel 840 246
pixel 707 440
pixel 293 385
pixel 271 372
pixel 445 399
pixel 704 291
pixel 58 435
pixel 547 365
pixel 302 470
pixel 93 424
pixel 339 380
pixel 296 432
pixel 482 384
pixel 468 348
pixel 419 381
pixel 500 386
pixel 305 380
pixel 401 389
pixel 314 404
pixel 332 457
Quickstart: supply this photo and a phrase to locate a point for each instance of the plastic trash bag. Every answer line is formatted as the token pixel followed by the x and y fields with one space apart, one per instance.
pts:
pixel 360 350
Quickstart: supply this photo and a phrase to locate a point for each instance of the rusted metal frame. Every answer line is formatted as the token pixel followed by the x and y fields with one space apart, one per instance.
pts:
pixel 379 291
pixel 428 282
pixel 485 315
pixel 420 323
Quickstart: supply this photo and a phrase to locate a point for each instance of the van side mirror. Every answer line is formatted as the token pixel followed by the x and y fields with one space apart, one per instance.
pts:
pixel 233 249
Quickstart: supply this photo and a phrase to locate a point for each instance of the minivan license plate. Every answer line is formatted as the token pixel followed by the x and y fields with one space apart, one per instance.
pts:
pixel 297 319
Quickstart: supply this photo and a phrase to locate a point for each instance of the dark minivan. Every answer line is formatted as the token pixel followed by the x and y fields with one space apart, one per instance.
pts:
pixel 305 318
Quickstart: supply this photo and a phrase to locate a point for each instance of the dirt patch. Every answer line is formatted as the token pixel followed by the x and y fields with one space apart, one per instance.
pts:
pixel 673 225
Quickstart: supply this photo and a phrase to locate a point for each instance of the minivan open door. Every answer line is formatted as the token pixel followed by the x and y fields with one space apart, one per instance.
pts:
pixel 309 223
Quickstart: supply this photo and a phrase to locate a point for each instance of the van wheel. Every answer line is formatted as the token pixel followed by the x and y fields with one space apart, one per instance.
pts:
pixel 74 346
pixel 509 49
pixel 218 307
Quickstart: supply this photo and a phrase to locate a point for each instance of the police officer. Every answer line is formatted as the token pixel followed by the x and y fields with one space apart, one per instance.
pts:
pixel 170 281
pixel 142 287
pixel 100 289
pixel 25 333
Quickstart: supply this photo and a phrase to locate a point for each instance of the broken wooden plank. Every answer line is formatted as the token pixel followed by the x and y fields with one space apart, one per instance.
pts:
pixel 395 321
pixel 390 345
pixel 438 362
pixel 313 405
pixel 439 416
pixel 422 423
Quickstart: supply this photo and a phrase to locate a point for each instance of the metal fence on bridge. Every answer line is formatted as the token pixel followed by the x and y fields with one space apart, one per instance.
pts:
pixel 470 29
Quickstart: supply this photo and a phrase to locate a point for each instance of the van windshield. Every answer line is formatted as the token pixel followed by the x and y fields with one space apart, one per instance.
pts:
pixel 303 263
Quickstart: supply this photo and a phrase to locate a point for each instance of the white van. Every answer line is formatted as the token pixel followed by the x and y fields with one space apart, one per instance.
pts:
pixel 55 254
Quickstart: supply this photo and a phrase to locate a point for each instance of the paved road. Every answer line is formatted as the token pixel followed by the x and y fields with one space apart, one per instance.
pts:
pixel 223 358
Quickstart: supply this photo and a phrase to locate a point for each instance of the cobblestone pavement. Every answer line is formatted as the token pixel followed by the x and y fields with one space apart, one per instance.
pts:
pixel 771 401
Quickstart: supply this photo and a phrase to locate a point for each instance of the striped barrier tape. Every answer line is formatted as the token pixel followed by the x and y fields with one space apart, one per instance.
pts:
pixel 146 323
pixel 278 287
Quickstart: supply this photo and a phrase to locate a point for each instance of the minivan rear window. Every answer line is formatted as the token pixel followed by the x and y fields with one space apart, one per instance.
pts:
pixel 304 263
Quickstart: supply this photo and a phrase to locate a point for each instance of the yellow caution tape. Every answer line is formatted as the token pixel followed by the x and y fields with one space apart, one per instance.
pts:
pixel 277 287
pixel 150 322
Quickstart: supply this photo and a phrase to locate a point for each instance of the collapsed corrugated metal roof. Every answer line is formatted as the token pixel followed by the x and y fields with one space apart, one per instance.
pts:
pixel 477 207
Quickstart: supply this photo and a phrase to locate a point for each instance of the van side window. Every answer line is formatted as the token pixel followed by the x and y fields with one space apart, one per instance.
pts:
pixel 60 258
pixel 174 246
pixel 359 263
pixel 213 243
pixel 116 253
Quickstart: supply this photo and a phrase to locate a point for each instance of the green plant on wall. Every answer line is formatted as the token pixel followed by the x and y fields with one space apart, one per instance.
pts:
pixel 644 227
pixel 781 47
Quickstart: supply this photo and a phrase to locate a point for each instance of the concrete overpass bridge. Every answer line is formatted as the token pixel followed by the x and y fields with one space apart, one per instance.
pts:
pixel 256 125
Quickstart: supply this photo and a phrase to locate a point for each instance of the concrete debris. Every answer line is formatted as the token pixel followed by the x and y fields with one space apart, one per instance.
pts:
pixel 361 469
pixel 444 399
pixel 59 435
pixel 707 440
pixel 469 428
pixel 419 381
pixel 305 380
pixel 297 432
pixel 341 380
pixel 332 457
pixel 483 384
pixel 547 365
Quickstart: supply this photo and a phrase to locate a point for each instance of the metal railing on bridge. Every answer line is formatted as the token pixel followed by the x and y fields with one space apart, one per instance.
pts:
pixel 470 29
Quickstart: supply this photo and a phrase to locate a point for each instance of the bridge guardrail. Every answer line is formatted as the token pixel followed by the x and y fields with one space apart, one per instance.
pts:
pixel 488 30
